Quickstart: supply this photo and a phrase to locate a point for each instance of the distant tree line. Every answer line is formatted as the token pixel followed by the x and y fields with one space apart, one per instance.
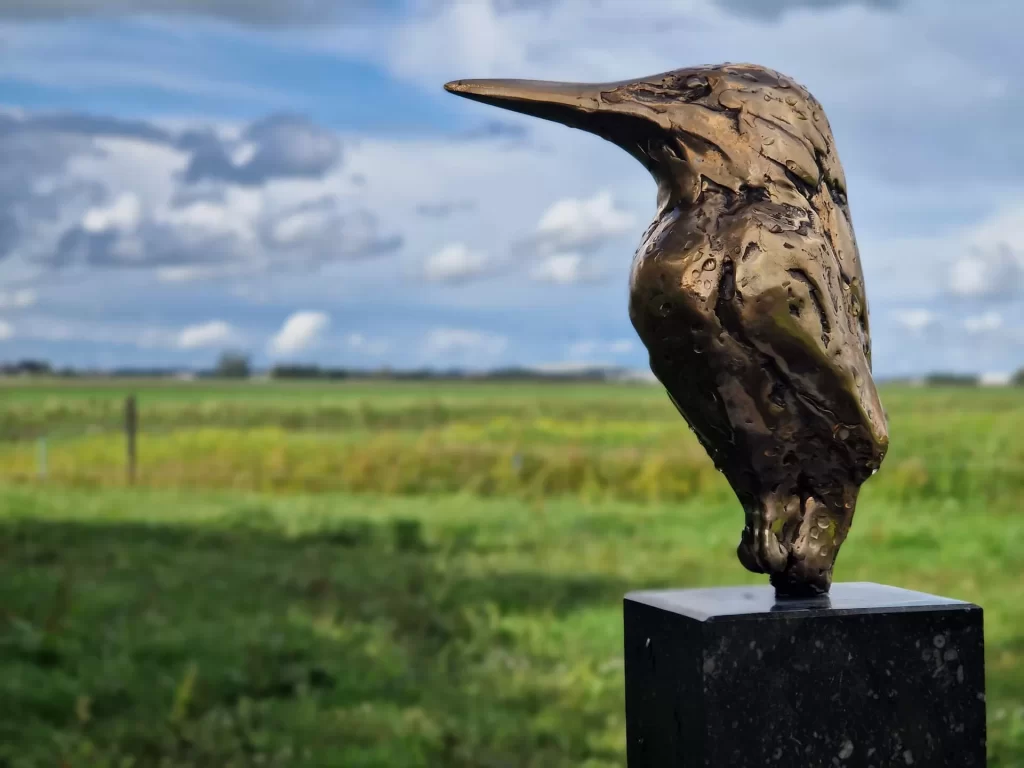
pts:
pixel 34 368
pixel 423 374
pixel 237 365
pixel 952 380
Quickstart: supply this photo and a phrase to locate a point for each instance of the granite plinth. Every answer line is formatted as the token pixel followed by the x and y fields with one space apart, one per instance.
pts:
pixel 869 675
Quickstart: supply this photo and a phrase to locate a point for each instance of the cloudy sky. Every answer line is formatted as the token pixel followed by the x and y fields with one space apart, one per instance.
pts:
pixel 290 179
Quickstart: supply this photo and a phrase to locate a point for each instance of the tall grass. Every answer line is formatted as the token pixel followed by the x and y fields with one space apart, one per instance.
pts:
pixel 963 444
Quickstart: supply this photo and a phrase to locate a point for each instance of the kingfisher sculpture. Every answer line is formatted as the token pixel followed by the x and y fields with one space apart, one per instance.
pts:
pixel 747 291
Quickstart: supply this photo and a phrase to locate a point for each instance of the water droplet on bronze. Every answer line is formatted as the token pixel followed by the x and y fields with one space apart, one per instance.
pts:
pixel 823 523
pixel 709 265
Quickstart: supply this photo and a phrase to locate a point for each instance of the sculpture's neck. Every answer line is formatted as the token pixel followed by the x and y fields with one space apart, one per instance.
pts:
pixel 704 208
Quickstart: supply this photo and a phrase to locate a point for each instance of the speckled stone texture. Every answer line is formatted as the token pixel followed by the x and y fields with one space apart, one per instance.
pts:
pixel 870 675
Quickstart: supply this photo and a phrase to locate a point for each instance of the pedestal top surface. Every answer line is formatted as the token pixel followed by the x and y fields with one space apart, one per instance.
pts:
pixel 713 603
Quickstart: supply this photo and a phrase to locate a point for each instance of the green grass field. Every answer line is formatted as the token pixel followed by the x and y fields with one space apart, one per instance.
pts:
pixel 419 575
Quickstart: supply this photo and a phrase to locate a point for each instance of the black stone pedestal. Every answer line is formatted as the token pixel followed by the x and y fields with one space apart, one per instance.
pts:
pixel 868 676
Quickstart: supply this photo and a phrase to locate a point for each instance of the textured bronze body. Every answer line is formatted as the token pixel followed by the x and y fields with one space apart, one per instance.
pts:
pixel 747 291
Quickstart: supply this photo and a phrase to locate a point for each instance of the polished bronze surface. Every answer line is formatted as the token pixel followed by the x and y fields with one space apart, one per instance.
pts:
pixel 747 291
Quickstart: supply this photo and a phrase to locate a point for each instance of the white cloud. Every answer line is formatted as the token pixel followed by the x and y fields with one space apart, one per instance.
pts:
pixel 243 153
pixel 916 320
pixel 454 263
pixel 235 215
pixel 995 378
pixel 565 367
pixel 588 349
pixel 969 277
pixel 988 273
pixel 189 274
pixel 123 214
pixel 20 299
pixel 968 262
pixel 6 330
pixel 984 323
pixel 574 224
pixel 564 269
pixel 295 227
pixel 299 331
pixel 98 192
pixel 463 36
pixel 212 334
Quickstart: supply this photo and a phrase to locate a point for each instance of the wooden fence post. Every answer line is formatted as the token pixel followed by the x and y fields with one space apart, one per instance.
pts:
pixel 131 427
pixel 41 468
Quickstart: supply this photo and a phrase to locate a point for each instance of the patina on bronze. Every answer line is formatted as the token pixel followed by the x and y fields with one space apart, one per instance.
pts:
pixel 747 291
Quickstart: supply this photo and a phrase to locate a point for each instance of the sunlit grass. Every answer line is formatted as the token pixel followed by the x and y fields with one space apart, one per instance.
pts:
pixel 965 444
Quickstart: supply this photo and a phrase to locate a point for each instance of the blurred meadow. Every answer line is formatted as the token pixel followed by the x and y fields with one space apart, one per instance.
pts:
pixel 418 574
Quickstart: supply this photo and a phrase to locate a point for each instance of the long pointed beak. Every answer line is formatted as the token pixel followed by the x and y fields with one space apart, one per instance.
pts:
pixel 567 103
pixel 578 105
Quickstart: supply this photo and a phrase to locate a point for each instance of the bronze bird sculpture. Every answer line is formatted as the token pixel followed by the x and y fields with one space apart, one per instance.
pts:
pixel 747 291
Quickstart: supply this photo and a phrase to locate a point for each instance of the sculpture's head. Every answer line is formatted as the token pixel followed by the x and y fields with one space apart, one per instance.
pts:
pixel 740 126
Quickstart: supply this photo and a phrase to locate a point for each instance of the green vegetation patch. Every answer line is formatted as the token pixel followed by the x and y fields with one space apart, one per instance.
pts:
pixel 160 628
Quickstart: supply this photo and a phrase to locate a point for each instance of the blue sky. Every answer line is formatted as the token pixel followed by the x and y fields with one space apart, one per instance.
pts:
pixel 291 179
